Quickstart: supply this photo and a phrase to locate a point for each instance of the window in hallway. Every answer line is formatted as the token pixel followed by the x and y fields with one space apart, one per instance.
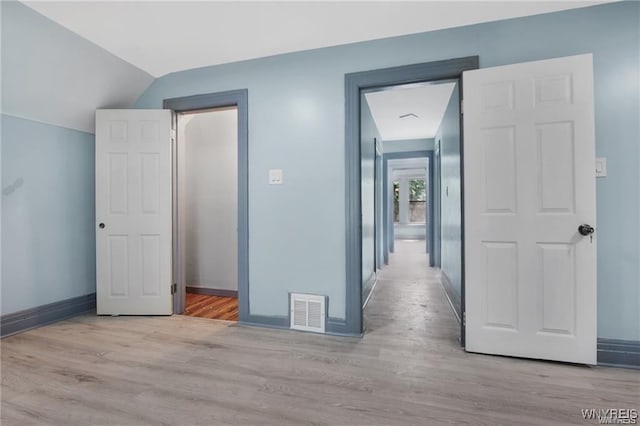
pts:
pixel 396 201
pixel 417 201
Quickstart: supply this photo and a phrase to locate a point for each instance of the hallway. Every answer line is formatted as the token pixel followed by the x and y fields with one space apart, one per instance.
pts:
pixel 409 301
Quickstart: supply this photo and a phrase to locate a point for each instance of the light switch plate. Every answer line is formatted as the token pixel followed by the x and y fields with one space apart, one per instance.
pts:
pixel 275 177
pixel 601 167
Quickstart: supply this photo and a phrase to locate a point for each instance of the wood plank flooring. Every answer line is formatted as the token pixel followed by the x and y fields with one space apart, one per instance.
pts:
pixel 407 370
pixel 212 307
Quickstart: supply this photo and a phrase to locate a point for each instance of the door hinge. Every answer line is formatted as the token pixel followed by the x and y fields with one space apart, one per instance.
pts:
pixel 464 319
pixel 174 288
pixel 462 106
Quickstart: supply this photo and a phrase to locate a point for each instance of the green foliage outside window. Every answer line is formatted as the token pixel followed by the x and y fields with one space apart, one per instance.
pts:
pixel 417 192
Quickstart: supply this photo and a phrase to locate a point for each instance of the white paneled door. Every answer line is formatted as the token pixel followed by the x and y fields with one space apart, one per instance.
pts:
pixel 529 176
pixel 133 212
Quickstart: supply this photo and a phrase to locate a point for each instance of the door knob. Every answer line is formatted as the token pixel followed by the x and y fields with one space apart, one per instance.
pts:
pixel 585 229
pixel 101 225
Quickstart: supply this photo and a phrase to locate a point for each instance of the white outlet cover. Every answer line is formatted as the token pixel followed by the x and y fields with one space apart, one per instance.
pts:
pixel 275 177
pixel 601 167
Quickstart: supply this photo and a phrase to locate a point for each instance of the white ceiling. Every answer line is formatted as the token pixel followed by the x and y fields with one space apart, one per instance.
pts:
pixel 427 102
pixel 161 37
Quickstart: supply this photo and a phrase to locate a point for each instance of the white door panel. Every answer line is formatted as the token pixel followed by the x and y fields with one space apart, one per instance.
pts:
pixel 529 166
pixel 133 201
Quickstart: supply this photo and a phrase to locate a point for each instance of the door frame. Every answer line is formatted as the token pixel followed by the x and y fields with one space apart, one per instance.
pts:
pixel 389 234
pixel 354 84
pixel 376 155
pixel 437 205
pixel 379 205
pixel 238 99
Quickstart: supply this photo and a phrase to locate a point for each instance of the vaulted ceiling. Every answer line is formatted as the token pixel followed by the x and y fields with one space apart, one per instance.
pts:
pixel 62 60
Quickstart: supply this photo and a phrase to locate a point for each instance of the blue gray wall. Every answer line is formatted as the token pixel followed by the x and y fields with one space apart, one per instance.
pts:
pixel 368 134
pixel 448 136
pixel 296 121
pixel 48 236
pixel 51 75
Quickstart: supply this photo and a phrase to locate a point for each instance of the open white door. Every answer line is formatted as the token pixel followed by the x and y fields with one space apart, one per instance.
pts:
pixel 529 176
pixel 133 212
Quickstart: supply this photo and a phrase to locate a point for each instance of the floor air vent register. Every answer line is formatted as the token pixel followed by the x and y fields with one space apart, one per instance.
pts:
pixel 308 312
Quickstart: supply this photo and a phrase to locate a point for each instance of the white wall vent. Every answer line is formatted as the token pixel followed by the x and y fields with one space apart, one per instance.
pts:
pixel 308 312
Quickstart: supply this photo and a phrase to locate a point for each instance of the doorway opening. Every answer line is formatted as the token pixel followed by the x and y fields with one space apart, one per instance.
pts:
pixel 207 162
pixel 411 123
pixel 392 80
pixel 410 192
pixel 210 200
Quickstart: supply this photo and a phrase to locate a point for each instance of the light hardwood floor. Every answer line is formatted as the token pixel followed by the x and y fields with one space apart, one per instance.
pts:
pixel 212 307
pixel 408 369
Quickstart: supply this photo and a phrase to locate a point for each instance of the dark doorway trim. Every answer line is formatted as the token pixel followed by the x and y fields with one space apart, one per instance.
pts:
pixel 239 99
pixel 354 83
